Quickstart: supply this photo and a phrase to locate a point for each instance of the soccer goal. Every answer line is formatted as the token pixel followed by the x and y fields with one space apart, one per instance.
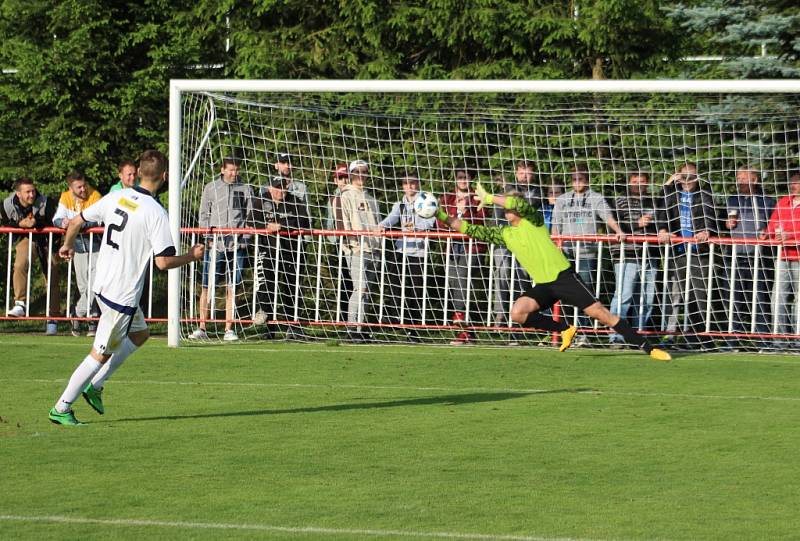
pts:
pixel 691 173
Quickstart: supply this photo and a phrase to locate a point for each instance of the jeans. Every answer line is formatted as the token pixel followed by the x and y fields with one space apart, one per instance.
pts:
pixel 629 289
pixel 746 307
pixel 85 305
pixel 784 298
pixel 363 273
pixel 457 283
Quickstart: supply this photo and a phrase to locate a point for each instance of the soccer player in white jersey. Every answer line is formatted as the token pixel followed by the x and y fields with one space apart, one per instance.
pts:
pixel 137 227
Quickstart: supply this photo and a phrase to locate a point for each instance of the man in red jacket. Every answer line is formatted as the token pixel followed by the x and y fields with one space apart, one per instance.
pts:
pixel 784 226
pixel 465 255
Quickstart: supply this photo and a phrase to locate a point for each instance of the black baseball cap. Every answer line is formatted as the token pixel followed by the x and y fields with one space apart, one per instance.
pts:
pixel 283 157
pixel 277 182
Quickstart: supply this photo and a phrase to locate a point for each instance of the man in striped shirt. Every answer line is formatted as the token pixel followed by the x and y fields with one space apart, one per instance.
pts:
pixel 527 238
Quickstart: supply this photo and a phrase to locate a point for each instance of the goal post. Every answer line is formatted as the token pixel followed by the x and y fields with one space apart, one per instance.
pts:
pixel 575 122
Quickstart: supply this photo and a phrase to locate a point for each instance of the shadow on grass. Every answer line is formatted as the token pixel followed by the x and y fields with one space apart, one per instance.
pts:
pixel 445 400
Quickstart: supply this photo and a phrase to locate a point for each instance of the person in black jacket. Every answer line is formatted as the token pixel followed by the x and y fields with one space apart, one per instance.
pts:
pixel 689 212
pixel 26 208
pixel 279 213
pixel 634 267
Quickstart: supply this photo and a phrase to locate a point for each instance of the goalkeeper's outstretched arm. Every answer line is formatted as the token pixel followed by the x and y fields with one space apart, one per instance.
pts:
pixel 490 234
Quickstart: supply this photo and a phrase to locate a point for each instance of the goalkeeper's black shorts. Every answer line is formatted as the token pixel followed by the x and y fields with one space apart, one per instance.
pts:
pixel 567 288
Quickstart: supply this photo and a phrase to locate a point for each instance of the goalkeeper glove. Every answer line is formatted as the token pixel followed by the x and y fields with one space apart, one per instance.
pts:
pixel 441 215
pixel 482 196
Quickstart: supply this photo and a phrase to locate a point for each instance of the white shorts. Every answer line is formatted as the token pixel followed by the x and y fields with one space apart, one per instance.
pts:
pixel 115 325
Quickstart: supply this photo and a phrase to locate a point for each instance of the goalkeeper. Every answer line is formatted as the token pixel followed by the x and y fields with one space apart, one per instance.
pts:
pixel 527 238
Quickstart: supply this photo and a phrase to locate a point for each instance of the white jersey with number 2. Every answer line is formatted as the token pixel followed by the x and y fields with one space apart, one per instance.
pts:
pixel 136 227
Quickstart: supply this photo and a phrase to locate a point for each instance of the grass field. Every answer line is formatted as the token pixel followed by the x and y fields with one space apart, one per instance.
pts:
pixel 284 441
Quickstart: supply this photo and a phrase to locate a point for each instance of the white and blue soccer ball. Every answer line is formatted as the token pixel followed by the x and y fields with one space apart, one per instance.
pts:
pixel 426 205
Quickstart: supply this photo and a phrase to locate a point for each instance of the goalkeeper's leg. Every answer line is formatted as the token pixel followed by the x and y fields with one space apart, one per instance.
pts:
pixel 526 312
pixel 603 315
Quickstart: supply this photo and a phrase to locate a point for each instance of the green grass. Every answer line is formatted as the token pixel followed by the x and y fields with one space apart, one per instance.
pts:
pixel 264 441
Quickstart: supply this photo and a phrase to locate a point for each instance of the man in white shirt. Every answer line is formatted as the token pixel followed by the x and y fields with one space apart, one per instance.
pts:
pixel 137 226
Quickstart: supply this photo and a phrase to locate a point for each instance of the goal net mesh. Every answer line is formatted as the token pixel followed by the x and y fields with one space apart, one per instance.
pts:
pixel 350 261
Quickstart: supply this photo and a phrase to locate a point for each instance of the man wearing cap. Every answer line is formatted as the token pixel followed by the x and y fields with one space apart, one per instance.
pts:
pixel 360 213
pixel 333 221
pixel 406 261
pixel 283 166
pixel 279 213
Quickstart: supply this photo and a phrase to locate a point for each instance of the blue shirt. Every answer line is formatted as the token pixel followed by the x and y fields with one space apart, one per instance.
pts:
pixel 687 227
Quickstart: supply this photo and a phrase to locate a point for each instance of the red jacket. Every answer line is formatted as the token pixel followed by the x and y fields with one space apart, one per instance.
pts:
pixel 787 218
pixel 471 214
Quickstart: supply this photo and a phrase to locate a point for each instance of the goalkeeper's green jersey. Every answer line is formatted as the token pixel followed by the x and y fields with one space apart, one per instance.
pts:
pixel 529 241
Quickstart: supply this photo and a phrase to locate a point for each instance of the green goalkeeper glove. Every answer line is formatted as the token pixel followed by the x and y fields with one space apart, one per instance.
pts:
pixel 482 196
pixel 441 215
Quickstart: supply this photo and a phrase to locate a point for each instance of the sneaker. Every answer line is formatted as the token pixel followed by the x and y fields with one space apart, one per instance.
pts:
pixel 566 337
pixel 260 317
pixel 458 317
pixel 94 397
pixel 76 328
pixel 199 334
pixel 92 329
pixel 461 339
pixel 413 337
pixel 660 355
pixel 51 329
pixel 18 310
pixel 67 418
pixel 230 336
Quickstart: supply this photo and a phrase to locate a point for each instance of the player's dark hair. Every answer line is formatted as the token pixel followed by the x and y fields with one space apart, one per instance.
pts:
pixel 125 163
pixel 230 160
pixel 792 173
pixel 75 175
pixel 152 165
pixel 21 181
pixel 526 164
pixel 644 174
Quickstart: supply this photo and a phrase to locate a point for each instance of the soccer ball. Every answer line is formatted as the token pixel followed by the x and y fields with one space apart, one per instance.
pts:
pixel 425 205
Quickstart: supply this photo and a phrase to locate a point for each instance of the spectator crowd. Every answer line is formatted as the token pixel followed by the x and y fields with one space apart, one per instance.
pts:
pixel 673 238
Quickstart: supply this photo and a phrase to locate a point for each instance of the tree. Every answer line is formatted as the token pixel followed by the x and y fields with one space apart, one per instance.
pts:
pixel 92 82
pixel 742 31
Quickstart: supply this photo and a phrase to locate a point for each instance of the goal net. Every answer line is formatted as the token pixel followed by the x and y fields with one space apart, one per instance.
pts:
pixel 302 193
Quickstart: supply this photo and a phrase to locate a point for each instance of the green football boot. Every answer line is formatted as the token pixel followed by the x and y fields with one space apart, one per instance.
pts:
pixel 66 418
pixel 95 398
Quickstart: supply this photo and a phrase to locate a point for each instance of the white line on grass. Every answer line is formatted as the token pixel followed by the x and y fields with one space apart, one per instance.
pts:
pixel 595 392
pixel 301 530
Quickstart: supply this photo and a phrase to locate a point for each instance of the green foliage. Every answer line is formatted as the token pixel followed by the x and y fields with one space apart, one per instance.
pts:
pixel 738 30
pixel 91 83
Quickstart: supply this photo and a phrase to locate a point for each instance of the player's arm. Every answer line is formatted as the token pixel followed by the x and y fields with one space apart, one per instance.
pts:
pixel 485 233
pixel 67 249
pixel 168 260
pixel 515 204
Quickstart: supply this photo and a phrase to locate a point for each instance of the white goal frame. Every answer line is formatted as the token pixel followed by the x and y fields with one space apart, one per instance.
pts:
pixel 179 86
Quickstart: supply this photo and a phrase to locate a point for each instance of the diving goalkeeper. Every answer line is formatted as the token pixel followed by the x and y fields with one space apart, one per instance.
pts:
pixel 527 238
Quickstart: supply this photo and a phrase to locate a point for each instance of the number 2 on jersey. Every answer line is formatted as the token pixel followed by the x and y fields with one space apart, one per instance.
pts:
pixel 116 227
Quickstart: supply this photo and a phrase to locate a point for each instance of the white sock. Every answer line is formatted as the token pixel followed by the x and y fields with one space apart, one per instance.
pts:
pixel 77 383
pixel 113 363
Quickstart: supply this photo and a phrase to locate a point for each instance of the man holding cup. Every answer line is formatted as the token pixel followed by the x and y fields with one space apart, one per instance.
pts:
pixel 634 267
pixel 749 266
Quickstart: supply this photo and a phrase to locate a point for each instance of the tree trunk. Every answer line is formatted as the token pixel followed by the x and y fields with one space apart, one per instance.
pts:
pixel 597 69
